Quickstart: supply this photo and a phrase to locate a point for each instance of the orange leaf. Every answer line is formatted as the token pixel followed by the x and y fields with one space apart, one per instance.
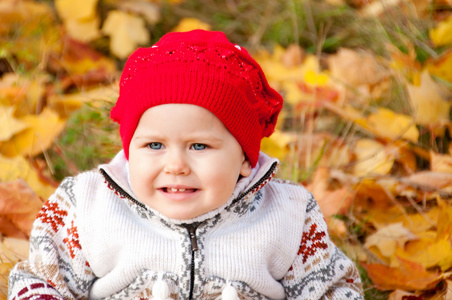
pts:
pixel 19 206
pixel 410 276
pixel 331 202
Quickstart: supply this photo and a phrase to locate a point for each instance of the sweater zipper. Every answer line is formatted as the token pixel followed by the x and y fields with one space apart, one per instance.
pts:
pixel 268 175
pixel 191 228
pixel 119 189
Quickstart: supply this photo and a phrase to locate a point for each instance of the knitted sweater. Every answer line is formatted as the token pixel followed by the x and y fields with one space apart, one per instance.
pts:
pixel 93 239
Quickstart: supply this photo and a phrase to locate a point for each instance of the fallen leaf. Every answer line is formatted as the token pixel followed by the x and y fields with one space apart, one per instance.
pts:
pixel 80 59
pixel 188 24
pixel 410 276
pixel 149 11
pixel 387 238
pixel 405 62
pixel 14 250
pixel 385 123
pixel 18 167
pixel 440 162
pixel 444 222
pixel 430 108
pixel 274 68
pixel 126 31
pixel 293 56
pixel 278 144
pixel 441 66
pixel 428 180
pixel 426 251
pixel 84 30
pixel 331 201
pixel 19 206
pixel 375 195
pixel 372 158
pixel 38 137
pixel 10 125
pixel 81 9
pixel 356 68
pixel 441 35
pixel 312 73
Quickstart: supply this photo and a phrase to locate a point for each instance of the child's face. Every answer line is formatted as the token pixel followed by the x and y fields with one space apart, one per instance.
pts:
pixel 183 161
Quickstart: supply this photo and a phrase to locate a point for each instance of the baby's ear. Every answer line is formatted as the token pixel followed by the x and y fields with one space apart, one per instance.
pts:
pixel 245 171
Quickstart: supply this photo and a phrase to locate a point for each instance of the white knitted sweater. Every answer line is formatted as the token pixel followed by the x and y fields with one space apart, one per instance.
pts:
pixel 94 240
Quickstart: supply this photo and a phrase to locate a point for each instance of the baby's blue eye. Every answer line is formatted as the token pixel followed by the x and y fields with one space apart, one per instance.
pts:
pixel 155 146
pixel 199 146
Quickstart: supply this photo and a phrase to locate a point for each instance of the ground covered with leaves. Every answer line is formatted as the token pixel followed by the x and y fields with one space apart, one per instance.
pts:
pixel 366 123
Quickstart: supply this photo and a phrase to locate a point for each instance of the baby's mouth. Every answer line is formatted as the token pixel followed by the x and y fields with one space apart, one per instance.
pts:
pixel 179 190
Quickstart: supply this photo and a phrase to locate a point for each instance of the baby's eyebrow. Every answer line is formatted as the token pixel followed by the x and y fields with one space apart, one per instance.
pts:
pixel 147 137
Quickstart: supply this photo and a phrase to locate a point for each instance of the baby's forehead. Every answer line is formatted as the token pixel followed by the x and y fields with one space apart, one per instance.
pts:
pixel 187 116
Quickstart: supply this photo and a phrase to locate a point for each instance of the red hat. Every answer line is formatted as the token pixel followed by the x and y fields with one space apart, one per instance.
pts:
pixel 201 68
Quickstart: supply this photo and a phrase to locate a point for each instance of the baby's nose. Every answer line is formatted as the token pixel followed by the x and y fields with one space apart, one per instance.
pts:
pixel 176 164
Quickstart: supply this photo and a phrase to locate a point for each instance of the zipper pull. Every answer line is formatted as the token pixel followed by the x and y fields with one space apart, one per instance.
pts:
pixel 192 233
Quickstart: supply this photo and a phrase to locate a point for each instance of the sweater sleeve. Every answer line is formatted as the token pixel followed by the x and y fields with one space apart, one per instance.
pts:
pixel 56 267
pixel 320 269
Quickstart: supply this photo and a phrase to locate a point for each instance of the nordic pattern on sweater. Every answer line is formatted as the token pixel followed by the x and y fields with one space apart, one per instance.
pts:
pixel 58 268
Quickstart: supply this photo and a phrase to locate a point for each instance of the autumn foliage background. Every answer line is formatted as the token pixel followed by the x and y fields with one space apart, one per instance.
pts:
pixel 366 123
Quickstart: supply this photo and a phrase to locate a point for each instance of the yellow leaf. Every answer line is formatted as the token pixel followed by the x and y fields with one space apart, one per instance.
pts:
pixel 275 69
pixel 418 223
pixel 446 263
pixel 34 92
pixel 126 32
pixel 292 92
pixel 80 9
pixel 10 125
pixel 311 72
pixel 442 67
pixel 18 167
pixel 84 30
pixel 387 238
pixel 442 34
pixel 444 222
pixel 429 106
pixel 38 137
pixel 371 158
pixel 65 104
pixel 426 251
pixel 277 144
pixel 188 24
pixel 387 124
pixel 315 78
pixel 440 162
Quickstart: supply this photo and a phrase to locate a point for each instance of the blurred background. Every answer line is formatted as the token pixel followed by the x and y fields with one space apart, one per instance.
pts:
pixel 366 123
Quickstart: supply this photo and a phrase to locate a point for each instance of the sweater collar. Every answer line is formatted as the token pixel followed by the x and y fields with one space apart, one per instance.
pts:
pixel 116 174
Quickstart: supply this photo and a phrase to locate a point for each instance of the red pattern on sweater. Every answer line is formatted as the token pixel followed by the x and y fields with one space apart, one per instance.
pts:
pixel 72 241
pixel 311 242
pixel 52 214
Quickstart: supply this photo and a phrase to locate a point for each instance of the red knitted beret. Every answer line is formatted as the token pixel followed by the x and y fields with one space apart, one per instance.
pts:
pixel 201 68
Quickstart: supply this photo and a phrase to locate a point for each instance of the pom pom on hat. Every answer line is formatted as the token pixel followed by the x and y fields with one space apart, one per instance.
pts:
pixel 201 68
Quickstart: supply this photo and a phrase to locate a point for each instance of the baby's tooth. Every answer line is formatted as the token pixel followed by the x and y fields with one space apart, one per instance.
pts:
pixel 181 190
pixel 173 190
